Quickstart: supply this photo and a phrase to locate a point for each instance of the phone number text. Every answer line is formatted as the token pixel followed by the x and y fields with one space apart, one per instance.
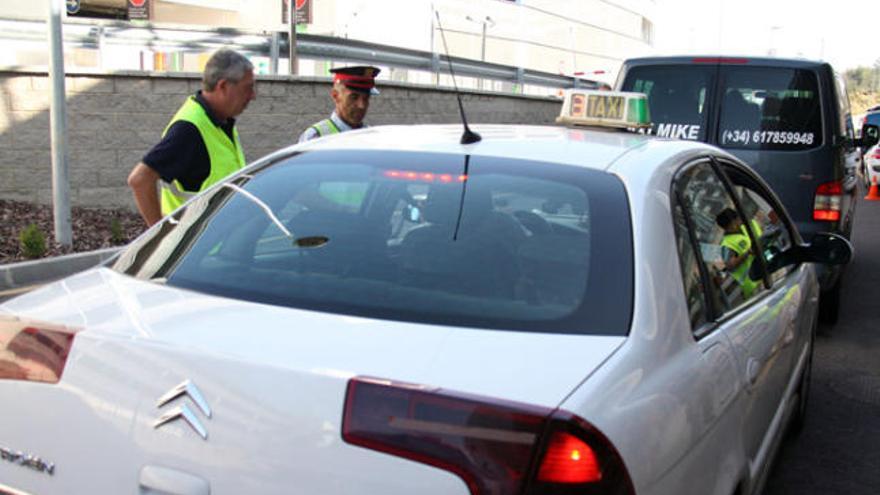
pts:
pixel 766 137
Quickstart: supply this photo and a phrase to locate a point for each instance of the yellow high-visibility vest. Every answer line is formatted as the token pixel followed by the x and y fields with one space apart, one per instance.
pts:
pixel 741 244
pixel 225 155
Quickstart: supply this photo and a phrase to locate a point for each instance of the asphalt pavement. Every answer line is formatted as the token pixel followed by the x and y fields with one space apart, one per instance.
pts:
pixel 838 451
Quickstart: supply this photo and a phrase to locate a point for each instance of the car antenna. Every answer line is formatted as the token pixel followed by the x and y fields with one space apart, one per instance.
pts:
pixel 464 183
pixel 469 136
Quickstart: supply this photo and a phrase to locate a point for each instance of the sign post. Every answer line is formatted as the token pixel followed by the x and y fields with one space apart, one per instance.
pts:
pixel 291 24
pixel 293 13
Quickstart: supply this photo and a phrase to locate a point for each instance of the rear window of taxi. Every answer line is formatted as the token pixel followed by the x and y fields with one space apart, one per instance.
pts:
pixel 446 239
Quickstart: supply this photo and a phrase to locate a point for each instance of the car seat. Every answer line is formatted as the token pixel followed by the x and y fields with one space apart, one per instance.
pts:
pixel 472 256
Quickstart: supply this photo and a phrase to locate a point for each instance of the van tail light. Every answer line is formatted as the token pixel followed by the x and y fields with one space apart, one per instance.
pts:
pixel 495 447
pixel 826 206
pixel 33 351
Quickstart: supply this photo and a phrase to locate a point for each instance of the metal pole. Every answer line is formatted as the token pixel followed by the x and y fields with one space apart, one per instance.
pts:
pixel 434 66
pixel 291 11
pixel 58 123
pixel 483 51
pixel 273 54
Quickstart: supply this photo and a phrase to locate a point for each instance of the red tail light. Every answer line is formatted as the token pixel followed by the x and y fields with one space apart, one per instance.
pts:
pixel 568 459
pixel 826 206
pixel 423 176
pixel 32 351
pixel 495 447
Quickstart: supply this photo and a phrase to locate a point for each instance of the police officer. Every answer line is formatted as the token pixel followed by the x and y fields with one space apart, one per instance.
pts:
pixel 200 146
pixel 737 250
pixel 352 88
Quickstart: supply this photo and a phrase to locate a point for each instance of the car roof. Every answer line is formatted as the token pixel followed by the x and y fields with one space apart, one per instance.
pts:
pixel 726 60
pixel 582 147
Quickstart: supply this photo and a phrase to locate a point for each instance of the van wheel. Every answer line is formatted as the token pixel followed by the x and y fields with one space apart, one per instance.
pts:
pixel 829 305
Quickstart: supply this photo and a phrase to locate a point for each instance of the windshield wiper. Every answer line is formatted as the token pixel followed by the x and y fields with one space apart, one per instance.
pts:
pixel 257 201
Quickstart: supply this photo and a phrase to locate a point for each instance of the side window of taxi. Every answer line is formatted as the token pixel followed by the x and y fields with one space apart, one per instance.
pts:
pixel 765 220
pixel 724 247
pixel 694 290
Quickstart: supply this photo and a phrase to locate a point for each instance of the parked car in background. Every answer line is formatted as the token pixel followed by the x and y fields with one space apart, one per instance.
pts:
pixel 787 119
pixel 872 156
pixel 549 310
pixel 872 118
pixel 872 166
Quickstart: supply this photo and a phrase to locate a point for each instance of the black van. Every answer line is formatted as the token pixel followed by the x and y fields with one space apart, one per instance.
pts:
pixel 789 119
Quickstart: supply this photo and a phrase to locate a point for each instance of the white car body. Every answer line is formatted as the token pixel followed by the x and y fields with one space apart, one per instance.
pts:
pixel 686 415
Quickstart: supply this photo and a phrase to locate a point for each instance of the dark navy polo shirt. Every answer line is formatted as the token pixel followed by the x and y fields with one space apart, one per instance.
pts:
pixel 182 155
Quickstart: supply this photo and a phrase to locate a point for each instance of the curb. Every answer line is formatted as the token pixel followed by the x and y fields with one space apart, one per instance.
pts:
pixel 37 272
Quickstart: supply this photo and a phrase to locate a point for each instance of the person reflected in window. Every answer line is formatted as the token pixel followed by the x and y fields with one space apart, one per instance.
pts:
pixel 736 246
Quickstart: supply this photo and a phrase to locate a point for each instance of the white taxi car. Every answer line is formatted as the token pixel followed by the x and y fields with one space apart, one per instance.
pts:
pixel 549 310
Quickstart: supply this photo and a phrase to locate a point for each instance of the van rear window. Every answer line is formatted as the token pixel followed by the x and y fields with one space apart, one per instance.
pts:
pixel 676 98
pixel 765 108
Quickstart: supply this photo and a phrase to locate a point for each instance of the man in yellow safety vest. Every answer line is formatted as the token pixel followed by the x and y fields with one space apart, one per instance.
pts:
pixel 737 250
pixel 200 146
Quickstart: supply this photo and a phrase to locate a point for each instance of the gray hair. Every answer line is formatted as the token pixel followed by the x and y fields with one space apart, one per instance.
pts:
pixel 225 64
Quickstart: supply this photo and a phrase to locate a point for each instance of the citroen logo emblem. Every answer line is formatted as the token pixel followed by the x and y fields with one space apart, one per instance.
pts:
pixel 183 411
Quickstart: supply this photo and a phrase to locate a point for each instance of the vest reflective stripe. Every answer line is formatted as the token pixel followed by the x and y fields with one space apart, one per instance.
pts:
pixel 173 189
pixel 325 127
pixel 741 244
pixel 224 155
pixel 756 228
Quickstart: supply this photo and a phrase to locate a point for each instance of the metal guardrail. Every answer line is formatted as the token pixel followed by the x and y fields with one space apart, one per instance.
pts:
pixel 97 34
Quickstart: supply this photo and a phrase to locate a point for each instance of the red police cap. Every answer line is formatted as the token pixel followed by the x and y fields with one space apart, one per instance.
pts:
pixel 360 78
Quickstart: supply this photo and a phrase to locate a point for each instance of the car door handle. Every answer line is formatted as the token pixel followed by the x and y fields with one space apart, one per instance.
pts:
pixel 753 370
pixel 172 481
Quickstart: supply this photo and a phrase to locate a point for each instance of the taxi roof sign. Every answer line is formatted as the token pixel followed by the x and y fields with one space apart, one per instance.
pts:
pixel 616 109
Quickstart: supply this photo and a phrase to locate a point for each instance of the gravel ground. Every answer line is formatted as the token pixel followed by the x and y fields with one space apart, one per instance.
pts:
pixel 92 228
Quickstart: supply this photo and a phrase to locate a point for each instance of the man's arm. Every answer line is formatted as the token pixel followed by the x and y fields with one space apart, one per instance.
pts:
pixel 308 134
pixel 142 181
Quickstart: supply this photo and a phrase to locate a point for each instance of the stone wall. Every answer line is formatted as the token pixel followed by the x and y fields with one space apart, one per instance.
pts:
pixel 114 119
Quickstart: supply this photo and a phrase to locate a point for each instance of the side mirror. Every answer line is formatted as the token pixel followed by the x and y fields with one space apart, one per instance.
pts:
pixel 870 136
pixel 827 248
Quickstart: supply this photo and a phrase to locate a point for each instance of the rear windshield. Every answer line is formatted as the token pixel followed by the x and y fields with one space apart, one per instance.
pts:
pixel 676 98
pixel 770 109
pixel 403 236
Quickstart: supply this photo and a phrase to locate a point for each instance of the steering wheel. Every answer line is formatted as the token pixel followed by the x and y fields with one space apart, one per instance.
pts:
pixel 534 223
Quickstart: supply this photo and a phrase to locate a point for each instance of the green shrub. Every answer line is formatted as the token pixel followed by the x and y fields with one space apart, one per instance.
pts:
pixel 32 241
pixel 116 234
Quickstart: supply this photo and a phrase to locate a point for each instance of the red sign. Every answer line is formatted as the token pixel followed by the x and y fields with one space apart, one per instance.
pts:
pixel 139 9
pixel 303 9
